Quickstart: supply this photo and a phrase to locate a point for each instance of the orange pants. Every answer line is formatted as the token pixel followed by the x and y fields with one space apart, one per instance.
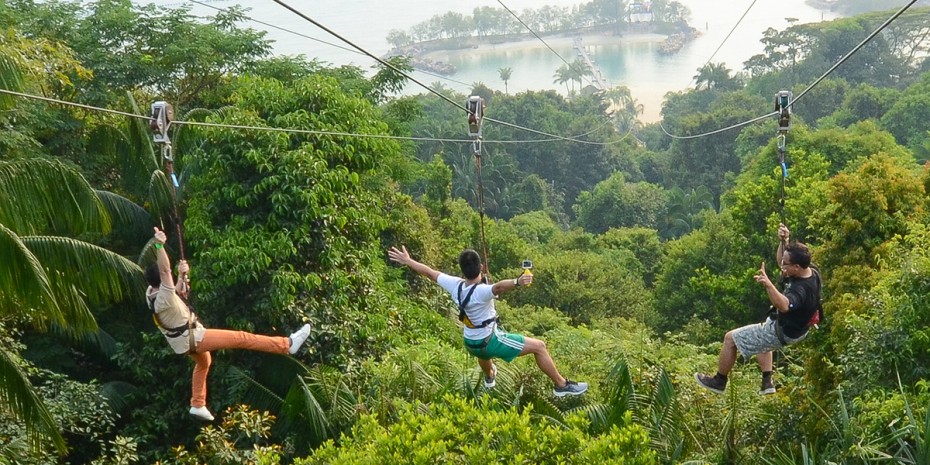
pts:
pixel 216 339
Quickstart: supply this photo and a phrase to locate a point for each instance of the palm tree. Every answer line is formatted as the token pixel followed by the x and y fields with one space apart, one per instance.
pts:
pixel 579 69
pixel 715 76
pixel 623 107
pixel 52 280
pixel 505 74
pixel 46 277
pixel 562 76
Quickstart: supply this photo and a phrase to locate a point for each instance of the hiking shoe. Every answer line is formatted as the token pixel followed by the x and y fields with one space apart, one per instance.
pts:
pixel 711 383
pixel 490 381
pixel 571 388
pixel 201 413
pixel 298 338
pixel 768 387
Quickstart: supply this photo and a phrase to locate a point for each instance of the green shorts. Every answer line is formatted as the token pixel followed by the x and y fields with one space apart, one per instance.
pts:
pixel 505 346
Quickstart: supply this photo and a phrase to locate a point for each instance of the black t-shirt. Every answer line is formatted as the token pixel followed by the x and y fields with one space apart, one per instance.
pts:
pixel 803 299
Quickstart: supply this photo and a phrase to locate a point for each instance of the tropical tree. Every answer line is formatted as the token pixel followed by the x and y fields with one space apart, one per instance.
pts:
pixel 715 76
pixel 52 281
pixel 623 107
pixel 505 74
pixel 615 202
pixel 562 76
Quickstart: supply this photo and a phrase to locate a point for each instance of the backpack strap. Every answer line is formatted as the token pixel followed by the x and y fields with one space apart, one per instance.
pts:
pixel 818 317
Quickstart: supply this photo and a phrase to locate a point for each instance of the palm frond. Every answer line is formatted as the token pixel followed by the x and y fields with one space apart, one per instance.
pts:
pixel 23 282
pixel 161 195
pixel 80 272
pixel 619 398
pixel 13 451
pixel 18 395
pixel 137 155
pixel 914 440
pixel 46 196
pixel 129 217
pixel 256 392
pixel 11 78
pixel 665 418
pixel 117 394
pixel 302 403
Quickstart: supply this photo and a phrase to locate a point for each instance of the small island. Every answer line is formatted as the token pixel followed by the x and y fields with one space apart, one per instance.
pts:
pixel 599 21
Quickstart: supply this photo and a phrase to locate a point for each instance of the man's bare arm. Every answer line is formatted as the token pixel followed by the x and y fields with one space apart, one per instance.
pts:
pixel 403 257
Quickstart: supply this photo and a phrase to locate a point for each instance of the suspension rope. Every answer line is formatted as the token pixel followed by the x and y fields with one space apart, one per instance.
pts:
pixel 784 176
pixel 162 115
pixel 476 146
pixel 528 28
pixel 810 87
pixel 290 31
pixel 428 88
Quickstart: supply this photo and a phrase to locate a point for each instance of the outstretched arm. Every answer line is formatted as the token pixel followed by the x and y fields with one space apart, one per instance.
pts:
pixel 506 285
pixel 403 257
pixel 164 264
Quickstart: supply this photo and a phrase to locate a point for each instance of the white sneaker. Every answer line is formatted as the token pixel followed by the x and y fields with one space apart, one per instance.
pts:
pixel 298 338
pixel 490 382
pixel 201 413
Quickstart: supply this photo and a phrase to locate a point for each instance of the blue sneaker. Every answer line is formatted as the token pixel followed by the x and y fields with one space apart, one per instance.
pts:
pixel 571 388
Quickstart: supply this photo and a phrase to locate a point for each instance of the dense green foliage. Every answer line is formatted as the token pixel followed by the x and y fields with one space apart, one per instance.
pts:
pixel 644 250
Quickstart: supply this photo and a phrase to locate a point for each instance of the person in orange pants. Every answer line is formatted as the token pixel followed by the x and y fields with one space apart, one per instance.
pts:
pixel 186 335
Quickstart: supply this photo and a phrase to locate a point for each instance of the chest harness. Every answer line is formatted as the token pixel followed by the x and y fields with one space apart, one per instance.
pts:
pixel 463 317
pixel 179 330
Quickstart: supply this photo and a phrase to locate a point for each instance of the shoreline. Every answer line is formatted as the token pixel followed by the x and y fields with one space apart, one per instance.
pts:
pixel 561 41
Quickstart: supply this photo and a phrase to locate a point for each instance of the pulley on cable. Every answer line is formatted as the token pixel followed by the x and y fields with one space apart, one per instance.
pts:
pixel 783 102
pixel 475 107
pixel 162 116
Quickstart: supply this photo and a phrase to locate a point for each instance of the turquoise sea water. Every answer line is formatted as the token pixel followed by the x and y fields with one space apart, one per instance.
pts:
pixel 632 63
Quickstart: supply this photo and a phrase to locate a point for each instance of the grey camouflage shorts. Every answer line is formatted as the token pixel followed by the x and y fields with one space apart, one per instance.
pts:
pixel 760 337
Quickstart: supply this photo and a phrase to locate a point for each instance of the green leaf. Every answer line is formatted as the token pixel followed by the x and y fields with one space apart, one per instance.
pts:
pixel 43 196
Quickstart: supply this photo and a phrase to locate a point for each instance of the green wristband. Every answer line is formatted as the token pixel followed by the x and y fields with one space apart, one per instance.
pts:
pixel 158 246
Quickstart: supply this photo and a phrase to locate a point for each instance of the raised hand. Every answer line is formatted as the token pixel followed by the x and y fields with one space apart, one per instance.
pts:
pixel 160 236
pixel 762 277
pixel 399 255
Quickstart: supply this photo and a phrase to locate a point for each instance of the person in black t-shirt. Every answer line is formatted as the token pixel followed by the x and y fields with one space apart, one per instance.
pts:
pixel 793 310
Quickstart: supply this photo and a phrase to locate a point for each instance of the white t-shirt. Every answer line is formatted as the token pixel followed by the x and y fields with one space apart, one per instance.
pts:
pixel 480 308
pixel 172 313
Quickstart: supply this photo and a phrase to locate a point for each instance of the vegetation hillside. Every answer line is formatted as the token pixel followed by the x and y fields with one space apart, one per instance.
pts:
pixel 294 177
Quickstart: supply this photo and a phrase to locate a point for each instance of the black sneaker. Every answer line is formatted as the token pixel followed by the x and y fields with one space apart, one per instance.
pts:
pixel 768 387
pixel 490 381
pixel 711 383
pixel 571 388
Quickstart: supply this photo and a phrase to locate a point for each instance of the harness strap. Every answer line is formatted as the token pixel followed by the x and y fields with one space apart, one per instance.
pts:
pixel 178 330
pixel 463 317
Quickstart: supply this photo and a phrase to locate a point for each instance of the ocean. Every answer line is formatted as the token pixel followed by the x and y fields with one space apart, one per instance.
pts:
pixel 631 62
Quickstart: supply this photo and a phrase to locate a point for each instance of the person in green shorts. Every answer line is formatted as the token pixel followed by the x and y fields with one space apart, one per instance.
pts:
pixel 483 338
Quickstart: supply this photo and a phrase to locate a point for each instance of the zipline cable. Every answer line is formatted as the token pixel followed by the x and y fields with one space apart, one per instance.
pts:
pixel 854 50
pixel 429 89
pixel 725 39
pixel 248 18
pixel 270 128
pixel 73 104
pixel 810 87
